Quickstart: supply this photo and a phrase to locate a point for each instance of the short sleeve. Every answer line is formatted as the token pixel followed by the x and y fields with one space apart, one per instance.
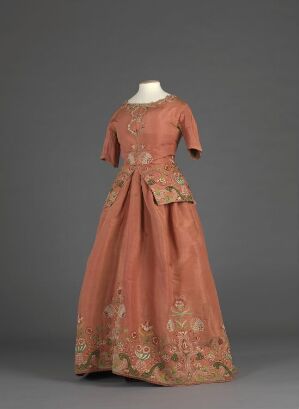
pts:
pixel 111 147
pixel 189 129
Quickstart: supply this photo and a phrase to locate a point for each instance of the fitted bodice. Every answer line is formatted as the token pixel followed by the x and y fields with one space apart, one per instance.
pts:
pixel 146 137
pixel 148 131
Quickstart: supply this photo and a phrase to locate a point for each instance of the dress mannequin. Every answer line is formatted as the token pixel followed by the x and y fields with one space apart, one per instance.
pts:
pixel 148 306
pixel 149 91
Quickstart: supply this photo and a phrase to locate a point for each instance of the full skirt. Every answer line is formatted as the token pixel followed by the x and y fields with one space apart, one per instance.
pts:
pixel 148 307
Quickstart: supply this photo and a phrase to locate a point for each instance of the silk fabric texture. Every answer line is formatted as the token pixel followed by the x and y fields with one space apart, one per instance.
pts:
pixel 148 306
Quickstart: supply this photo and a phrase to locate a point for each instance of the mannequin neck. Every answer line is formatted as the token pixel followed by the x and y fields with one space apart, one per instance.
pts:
pixel 148 91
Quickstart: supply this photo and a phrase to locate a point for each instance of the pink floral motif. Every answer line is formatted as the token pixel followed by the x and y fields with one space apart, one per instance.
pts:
pixel 142 352
pixel 179 304
pixel 139 156
pixel 146 326
pixel 155 340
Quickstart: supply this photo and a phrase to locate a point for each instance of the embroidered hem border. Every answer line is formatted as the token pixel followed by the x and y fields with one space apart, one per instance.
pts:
pixel 178 358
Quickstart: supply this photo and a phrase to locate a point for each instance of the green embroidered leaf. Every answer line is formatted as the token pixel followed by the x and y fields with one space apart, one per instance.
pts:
pixel 199 356
pixel 119 183
pixel 159 365
pixel 174 357
pixel 217 365
pixel 151 181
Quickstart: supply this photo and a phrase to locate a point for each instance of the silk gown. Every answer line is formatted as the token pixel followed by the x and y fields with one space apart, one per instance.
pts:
pixel 148 306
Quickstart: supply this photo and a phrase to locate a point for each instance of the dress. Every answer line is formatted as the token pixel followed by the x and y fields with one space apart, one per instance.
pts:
pixel 148 306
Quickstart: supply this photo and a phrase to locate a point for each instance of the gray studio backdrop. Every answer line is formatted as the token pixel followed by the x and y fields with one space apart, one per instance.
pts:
pixel 66 66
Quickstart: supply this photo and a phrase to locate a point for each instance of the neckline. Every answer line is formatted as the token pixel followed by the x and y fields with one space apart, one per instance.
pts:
pixel 168 97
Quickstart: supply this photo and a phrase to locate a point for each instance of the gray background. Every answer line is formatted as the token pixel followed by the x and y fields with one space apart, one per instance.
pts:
pixel 65 67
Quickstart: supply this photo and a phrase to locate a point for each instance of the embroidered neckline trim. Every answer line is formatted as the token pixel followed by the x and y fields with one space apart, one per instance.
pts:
pixel 168 97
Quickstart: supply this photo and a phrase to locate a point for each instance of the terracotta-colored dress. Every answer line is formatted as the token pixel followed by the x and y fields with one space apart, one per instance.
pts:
pixel 148 306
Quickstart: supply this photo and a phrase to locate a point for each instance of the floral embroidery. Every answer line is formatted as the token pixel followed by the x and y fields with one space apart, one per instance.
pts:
pixel 165 180
pixel 119 181
pixel 167 183
pixel 182 355
pixel 138 155
pixel 137 111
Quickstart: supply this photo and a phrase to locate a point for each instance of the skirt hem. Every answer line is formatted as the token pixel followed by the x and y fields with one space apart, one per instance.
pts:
pixel 231 378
